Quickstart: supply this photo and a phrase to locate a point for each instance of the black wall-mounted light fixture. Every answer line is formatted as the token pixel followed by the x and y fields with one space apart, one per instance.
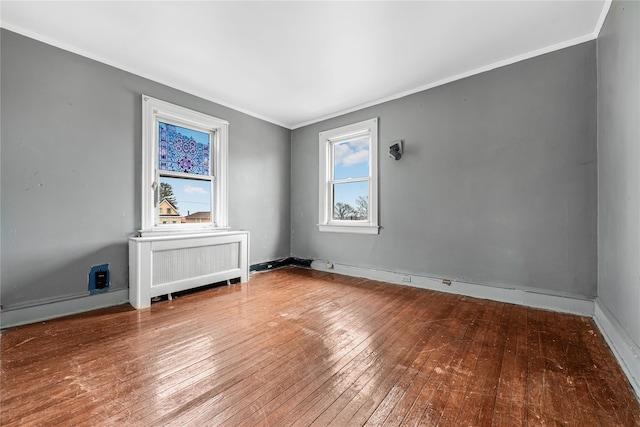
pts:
pixel 395 150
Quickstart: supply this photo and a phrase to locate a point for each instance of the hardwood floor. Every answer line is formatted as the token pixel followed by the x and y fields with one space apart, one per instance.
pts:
pixel 301 347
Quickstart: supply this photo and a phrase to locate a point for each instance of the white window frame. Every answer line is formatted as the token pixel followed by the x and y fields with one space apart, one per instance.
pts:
pixel 327 139
pixel 155 110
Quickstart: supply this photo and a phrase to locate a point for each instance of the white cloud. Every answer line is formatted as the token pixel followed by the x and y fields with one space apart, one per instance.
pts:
pixel 355 157
pixel 189 189
pixel 352 152
pixel 360 143
pixel 340 151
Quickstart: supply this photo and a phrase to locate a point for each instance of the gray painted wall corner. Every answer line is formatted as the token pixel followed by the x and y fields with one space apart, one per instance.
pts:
pixel 70 174
pixel 497 184
pixel 619 166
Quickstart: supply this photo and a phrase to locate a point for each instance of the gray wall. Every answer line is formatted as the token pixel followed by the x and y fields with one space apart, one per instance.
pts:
pixel 497 185
pixel 619 163
pixel 70 170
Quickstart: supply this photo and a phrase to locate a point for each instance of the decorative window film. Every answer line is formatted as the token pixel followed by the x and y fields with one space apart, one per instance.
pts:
pixel 183 150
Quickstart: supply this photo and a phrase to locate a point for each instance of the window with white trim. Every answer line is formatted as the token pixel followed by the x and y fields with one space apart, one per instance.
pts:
pixel 349 178
pixel 184 169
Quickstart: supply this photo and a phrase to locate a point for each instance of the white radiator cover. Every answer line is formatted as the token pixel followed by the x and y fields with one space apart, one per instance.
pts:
pixel 160 265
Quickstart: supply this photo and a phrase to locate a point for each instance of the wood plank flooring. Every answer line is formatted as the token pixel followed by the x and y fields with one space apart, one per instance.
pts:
pixel 301 347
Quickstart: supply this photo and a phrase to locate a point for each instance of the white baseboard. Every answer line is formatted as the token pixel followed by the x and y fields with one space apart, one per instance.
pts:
pixel 52 309
pixel 624 348
pixel 572 304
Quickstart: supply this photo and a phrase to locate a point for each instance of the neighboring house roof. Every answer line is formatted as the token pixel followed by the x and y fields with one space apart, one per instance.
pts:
pixel 196 215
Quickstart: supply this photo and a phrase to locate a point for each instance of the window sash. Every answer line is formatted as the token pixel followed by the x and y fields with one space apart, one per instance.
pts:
pixel 331 191
pixel 162 173
pixel 333 143
pixel 332 181
pixel 211 201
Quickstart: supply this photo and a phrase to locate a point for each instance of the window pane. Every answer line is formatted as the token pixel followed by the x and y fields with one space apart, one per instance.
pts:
pixel 351 158
pixel 183 150
pixel 186 201
pixel 351 201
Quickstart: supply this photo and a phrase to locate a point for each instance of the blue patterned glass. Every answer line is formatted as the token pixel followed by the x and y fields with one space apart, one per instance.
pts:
pixel 183 150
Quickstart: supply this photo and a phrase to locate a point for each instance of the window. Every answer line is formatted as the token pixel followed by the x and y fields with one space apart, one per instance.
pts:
pixel 184 168
pixel 349 178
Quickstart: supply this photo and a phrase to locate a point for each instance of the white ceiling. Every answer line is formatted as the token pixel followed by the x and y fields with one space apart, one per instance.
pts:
pixel 295 63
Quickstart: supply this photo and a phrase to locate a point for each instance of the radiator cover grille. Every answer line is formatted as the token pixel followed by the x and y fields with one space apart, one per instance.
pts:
pixel 186 263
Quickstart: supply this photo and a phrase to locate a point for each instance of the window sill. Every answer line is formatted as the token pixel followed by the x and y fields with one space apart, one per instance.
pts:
pixel 355 229
pixel 181 231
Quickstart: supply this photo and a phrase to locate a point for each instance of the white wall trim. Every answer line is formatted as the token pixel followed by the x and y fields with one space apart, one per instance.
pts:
pixel 350 228
pixel 602 18
pixel 624 348
pixel 573 304
pixel 47 310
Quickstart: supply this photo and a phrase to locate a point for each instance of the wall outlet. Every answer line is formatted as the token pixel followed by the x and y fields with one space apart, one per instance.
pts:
pixel 102 279
pixel 405 278
pixel 99 279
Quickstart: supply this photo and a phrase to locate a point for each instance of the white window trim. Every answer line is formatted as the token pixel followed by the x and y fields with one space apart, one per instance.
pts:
pixel 326 138
pixel 154 110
